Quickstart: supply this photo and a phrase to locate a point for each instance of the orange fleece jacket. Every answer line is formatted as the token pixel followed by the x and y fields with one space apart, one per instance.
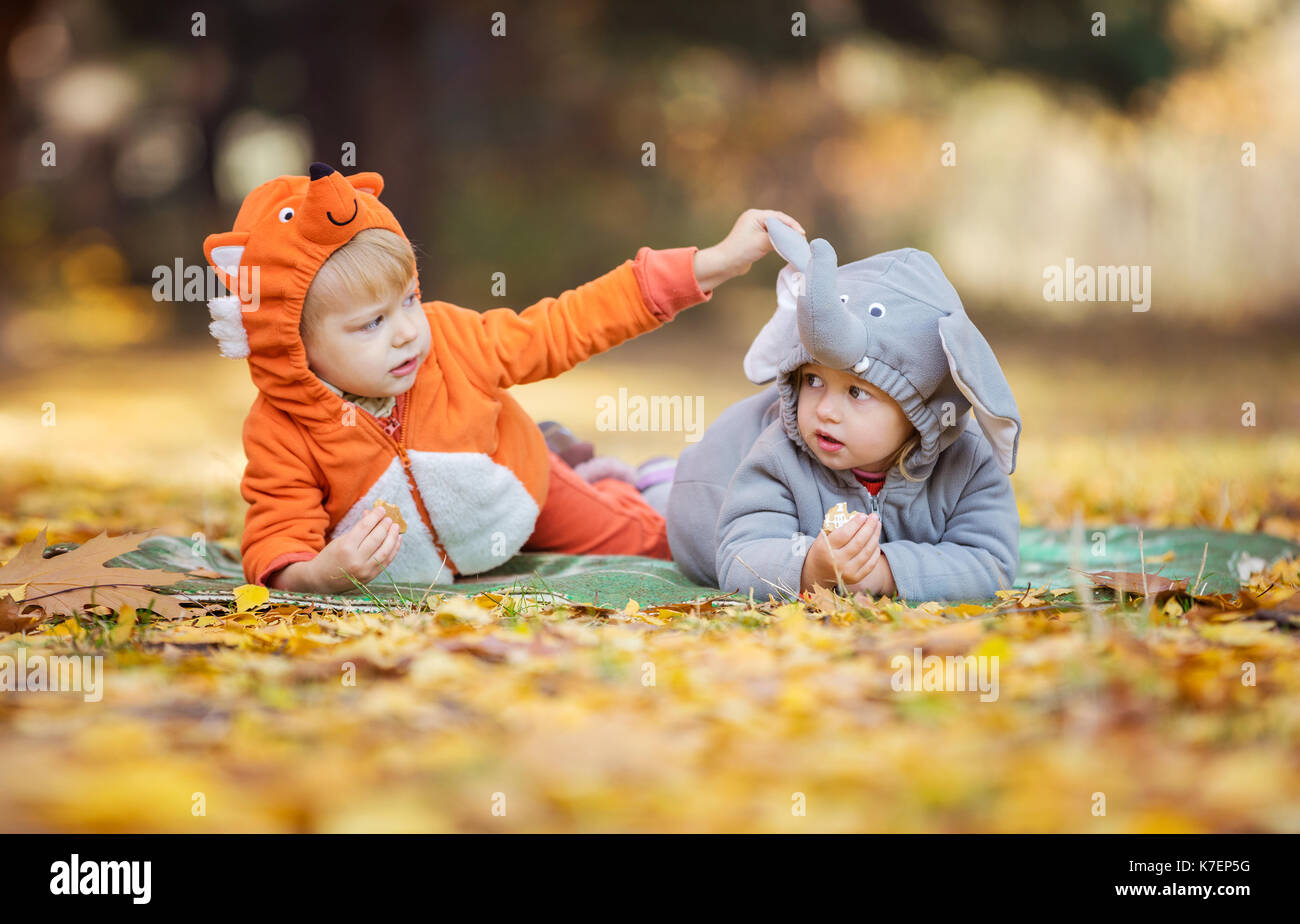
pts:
pixel 467 467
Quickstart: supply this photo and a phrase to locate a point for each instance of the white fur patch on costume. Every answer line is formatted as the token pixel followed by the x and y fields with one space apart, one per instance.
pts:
pixel 417 561
pixel 481 511
pixel 228 325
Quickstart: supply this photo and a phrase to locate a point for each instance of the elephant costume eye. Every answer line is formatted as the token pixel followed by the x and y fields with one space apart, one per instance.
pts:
pixel 844 299
pixel 877 310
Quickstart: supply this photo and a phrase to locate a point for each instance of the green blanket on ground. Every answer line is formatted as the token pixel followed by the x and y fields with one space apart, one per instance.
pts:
pixel 610 580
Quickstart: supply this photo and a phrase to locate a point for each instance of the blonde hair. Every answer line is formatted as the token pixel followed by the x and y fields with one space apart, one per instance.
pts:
pixel 372 267
pixel 908 445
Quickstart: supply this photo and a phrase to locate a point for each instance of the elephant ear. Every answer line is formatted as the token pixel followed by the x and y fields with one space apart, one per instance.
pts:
pixel 979 377
pixel 789 243
pixel 781 331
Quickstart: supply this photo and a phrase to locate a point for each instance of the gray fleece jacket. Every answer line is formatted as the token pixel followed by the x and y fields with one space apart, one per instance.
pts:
pixel 749 498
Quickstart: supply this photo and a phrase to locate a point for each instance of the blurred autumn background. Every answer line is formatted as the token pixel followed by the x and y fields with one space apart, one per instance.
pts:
pixel 1172 141
pixel 523 154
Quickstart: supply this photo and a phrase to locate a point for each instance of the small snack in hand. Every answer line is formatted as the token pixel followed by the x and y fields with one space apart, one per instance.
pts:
pixel 393 513
pixel 836 517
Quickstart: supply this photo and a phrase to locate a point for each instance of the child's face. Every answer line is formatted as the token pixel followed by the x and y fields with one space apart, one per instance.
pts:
pixel 865 425
pixel 356 347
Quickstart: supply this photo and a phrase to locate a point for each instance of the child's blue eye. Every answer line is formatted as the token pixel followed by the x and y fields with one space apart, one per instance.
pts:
pixel 410 299
pixel 377 319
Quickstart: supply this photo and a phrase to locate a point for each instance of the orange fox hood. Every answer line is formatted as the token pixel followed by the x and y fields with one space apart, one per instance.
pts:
pixel 285 230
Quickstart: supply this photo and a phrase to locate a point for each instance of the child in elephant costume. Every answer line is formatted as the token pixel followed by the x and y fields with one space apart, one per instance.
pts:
pixel 875 365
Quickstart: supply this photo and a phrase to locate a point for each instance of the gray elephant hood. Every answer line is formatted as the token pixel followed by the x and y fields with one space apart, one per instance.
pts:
pixel 895 321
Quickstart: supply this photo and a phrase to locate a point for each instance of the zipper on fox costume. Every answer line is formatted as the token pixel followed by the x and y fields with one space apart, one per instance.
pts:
pixel 400 445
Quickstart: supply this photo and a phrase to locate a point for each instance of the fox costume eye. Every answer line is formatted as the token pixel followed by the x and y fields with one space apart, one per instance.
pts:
pixel 286 213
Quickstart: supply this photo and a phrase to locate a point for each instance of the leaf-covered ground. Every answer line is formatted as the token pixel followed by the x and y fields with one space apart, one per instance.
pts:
pixel 497 715
pixel 493 714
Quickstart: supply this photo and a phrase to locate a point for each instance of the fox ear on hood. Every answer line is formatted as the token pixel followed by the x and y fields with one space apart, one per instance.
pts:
pixel 224 252
pixel 979 377
pixel 367 182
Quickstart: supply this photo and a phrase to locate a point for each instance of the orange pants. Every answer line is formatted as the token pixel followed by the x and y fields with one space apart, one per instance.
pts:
pixel 607 517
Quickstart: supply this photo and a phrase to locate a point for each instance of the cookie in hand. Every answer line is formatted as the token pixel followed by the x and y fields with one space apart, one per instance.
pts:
pixel 836 517
pixel 393 513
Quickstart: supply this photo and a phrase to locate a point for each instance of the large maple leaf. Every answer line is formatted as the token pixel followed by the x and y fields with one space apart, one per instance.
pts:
pixel 67 583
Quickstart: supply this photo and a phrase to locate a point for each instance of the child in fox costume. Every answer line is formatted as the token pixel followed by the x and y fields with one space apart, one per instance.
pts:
pixel 468 470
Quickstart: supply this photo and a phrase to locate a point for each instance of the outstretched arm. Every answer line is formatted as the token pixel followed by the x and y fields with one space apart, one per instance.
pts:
pixel 555 334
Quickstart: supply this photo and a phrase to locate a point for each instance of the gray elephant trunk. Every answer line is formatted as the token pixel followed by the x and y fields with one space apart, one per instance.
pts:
pixel 829 331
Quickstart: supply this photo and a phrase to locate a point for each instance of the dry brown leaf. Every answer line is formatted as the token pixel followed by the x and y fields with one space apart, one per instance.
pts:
pixel 1280 604
pixel 1023 599
pixel 65 584
pixel 824 600
pixel 11 617
pixel 1132 582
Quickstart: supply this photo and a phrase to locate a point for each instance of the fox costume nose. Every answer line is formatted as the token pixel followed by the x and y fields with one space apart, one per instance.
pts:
pixel 330 210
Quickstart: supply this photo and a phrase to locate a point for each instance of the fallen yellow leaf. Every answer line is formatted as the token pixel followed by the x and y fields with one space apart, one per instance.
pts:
pixel 126 618
pixel 249 596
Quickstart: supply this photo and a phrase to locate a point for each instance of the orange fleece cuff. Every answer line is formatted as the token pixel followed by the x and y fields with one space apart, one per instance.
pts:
pixel 667 280
pixel 280 561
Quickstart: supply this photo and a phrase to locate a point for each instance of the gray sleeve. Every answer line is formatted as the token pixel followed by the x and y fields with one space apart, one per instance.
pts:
pixel 760 548
pixel 693 508
pixel 980 549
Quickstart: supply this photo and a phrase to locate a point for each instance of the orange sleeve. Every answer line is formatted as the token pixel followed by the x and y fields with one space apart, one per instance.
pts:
pixel 667 280
pixel 555 334
pixel 286 518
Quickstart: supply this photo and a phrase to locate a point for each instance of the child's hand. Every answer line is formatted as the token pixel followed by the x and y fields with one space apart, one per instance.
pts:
pixel 853 549
pixel 363 551
pixel 737 252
